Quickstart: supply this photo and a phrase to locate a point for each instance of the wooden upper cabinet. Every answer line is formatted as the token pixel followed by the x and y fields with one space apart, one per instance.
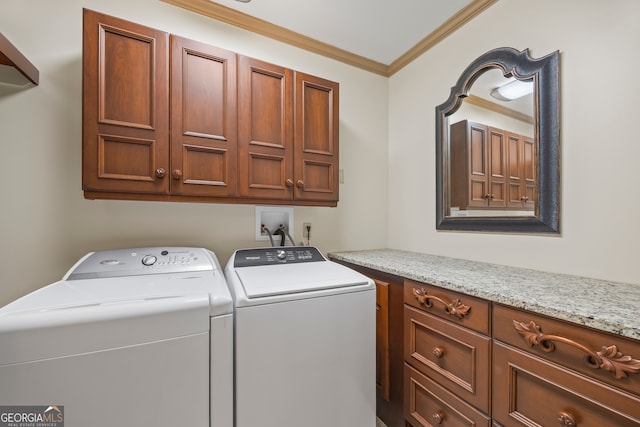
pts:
pixel 125 95
pixel 316 138
pixel 169 118
pixel 491 168
pixel 497 156
pixel 203 119
pixel 287 133
pixel 265 129
pixel 521 170
pixel 529 174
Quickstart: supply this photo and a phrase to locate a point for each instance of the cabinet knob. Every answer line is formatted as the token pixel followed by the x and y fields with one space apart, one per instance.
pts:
pixel 289 182
pixel 567 419
pixel 177 174
pixel 438 352
pixel 438 417
pixel 160 173
pixel 300 183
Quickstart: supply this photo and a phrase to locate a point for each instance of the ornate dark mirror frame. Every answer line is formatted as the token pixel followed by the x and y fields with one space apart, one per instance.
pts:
pixel 544 72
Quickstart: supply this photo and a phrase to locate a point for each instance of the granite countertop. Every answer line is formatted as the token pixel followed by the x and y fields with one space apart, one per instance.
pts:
pixel 606 306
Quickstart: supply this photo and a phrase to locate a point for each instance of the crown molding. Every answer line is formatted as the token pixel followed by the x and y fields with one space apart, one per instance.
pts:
pixel 497 108
pixel 247 22
pixel 465 15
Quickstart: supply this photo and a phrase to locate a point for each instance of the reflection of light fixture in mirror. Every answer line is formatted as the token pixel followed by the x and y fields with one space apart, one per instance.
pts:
pixel 513 90
pixel 244 1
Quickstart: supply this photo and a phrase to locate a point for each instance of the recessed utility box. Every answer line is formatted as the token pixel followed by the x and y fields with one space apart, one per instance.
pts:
pixel 271 218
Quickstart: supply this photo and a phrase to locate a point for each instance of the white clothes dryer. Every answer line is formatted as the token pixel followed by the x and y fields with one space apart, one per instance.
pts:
pixel 304 340
pixel 131 337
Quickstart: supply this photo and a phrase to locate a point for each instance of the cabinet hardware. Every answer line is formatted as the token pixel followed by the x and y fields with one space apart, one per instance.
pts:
pixel 300 183
pixel 438 352
pixel 289 183
pixel 608 358
pixel 438 417
pixel 454 308
pixel 160 173
pixel 567 419
pixel 177 174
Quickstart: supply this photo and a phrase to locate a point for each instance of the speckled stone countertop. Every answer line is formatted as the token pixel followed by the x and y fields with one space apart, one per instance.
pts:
pixel 607 306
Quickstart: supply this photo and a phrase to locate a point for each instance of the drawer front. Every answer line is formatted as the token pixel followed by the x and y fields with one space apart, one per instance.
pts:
pixel 606 357
pixel 528 391
pixel 429 404
pixel 464 310
pixel 456 357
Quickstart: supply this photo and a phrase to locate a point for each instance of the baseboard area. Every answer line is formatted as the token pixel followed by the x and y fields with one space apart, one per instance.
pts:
pixel 379 423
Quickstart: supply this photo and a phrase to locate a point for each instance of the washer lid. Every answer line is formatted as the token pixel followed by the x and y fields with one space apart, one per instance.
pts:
pixel 285 279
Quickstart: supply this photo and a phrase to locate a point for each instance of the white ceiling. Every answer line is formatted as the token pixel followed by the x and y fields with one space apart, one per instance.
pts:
pixel 379 30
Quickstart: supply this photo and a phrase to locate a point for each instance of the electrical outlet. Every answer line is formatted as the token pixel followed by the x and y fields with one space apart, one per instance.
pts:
pixel 305 230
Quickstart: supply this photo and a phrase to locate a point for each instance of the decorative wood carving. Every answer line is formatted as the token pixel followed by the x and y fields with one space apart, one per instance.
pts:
pixel 608 358
pixel 454 308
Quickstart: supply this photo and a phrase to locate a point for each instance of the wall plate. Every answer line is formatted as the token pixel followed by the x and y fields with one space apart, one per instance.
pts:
pixel 272 217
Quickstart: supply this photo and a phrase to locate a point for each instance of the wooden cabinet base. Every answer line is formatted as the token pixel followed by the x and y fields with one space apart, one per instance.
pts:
pixel 99 195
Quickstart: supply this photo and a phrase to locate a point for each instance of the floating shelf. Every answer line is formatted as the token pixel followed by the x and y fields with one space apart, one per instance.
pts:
pixel 15 69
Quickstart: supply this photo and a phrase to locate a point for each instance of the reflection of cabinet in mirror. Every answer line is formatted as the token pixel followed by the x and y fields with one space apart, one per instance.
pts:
pixel 491 168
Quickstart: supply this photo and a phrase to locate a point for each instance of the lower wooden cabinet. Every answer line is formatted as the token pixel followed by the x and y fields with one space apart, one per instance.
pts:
pixel 527 370
pixel 459 360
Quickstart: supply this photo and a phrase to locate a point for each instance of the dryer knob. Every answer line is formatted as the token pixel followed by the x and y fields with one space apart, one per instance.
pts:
pixel 149 260
pixel 281 254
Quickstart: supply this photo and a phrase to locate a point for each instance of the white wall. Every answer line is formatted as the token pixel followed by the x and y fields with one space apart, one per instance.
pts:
pixel 46 224
pixel 599 139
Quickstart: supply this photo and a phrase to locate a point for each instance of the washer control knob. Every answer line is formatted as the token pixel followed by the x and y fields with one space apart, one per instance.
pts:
pixel 149 260
pixel 281 254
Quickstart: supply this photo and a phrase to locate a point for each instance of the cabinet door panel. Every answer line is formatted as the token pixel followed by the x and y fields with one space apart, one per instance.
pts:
pixel 382 340
pixel 456 357
pixel 265 132
pixel 528 391
pixel 316 138
pixel 203 119
pixel 125 115
pixel 516 168
pixel 498 168
pixel 428 404
pixel 529 172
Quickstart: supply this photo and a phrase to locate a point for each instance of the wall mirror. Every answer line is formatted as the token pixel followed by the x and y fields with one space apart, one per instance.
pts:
pixel 497 146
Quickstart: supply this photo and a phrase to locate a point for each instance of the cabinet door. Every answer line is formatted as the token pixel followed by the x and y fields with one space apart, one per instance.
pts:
pixel 478 169
pixel 382 340
pixel 529 172
pixel 522 171
pixel 515 168
pixel 265 129
pixel 125 115
pixel 316 138
pixel 497 168
pixel 203 119
pixel 529 391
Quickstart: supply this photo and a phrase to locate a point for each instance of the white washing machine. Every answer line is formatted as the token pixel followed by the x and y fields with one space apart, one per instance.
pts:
pixel 132 337
pixel 304 340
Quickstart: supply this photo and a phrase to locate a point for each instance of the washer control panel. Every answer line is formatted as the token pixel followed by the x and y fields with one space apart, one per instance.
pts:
pixel 277 255
pixel 138 261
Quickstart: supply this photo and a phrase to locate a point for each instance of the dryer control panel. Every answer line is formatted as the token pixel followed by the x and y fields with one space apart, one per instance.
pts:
pixel 139 261
pixel 277 255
